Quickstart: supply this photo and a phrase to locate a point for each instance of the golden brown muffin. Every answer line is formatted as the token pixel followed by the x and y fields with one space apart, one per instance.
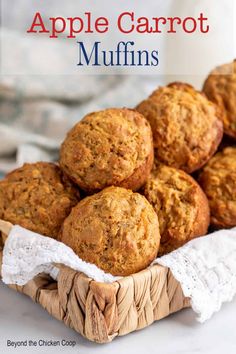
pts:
pixel 115 229
pixel 2 200
pixel 38 197
pixel 218 180
pixel 220 88
pixel 181 206
pixel 186 130
pixel 110 147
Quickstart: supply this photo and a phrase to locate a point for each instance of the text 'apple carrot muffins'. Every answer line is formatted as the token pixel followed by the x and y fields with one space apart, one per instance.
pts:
pixel 39 197
pixel 218 180
pixel 186 130
pixel 220 88
pixel 181 206
pixel 115 229
pixel 110 147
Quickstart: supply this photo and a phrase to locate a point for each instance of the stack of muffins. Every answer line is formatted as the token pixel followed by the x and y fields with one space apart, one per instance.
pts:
pixel 133 168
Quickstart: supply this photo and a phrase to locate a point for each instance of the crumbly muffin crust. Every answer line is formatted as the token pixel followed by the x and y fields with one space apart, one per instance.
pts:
pixel 220 88
pixel 115 229
pixel 181 206
pixel 186 130
pixel 38 197
pixel 218 180
pixel 110 147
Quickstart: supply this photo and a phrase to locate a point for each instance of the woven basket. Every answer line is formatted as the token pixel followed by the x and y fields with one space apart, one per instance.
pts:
pixel 98 311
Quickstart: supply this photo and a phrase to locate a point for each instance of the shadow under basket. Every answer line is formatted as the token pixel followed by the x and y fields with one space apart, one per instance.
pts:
pixel 98 311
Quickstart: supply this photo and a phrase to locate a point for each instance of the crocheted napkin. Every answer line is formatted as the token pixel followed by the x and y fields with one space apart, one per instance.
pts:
pixel 205 267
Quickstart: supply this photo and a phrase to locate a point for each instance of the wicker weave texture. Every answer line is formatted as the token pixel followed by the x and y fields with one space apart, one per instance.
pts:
pixel 99 311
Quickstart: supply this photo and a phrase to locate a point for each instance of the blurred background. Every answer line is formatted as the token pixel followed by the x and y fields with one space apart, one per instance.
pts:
pixel 43 93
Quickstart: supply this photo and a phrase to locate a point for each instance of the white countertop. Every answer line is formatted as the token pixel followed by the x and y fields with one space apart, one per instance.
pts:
pixel 21 319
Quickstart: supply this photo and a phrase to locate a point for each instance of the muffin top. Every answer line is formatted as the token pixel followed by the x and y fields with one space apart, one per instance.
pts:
pixel 38 197
pixel 115 229
pixel 110 147
pixel 218 180
pixel 181 206
pixel 186 130
pixel 220 87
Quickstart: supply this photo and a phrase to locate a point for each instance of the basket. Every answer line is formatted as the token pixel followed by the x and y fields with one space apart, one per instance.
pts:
pixel 98 311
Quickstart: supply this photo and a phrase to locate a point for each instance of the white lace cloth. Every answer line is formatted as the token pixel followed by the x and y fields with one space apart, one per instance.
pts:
pixel 27 254
pixel 206 270
pixel 205 267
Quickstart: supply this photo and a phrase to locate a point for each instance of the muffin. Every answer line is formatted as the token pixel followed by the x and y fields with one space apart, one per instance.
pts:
pixel 38 197
pixel 186 130
pixel 181 206
pixel 2 201
pixel 218 180
pixel 220 88
pixel 110 147
pixel 115 229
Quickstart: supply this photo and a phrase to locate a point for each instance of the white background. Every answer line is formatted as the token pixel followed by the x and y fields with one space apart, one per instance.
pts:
pixel 179 53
